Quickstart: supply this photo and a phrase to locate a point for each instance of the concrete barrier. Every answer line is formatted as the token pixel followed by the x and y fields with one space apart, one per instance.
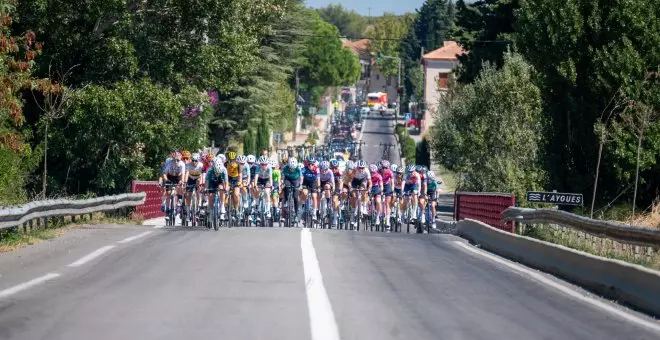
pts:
pixel 630 284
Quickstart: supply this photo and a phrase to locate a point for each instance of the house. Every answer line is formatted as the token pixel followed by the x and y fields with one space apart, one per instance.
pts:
pixel 438 66
pixel 371 80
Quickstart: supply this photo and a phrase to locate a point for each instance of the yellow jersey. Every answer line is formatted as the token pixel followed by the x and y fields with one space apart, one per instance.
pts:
pixel 233 169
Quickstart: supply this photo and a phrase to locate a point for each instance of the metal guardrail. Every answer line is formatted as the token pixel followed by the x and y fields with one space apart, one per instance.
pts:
pixel 15 216
pixel 641 236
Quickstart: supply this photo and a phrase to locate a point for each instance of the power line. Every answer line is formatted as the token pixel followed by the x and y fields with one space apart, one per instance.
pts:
pixel 501 41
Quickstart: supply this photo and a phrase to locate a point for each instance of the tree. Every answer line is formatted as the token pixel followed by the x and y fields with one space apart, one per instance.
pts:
pixel 423 153
pixel 328 63
pixel 56 100
pixel 387 28
pixel 17 52
pixel 428 31
pixel 115 134
pixel 483 28
pixel 249 142
pixel 263 135
pixel 349 23
pixel 491 131
pixel 612 46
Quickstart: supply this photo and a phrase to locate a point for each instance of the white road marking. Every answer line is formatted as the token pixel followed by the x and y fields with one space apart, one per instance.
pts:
pixel 364 127
pixel 133 238
pixel 322 320
pixel 26 285
pixel 159 227
pixel 564 289
pixel 91 256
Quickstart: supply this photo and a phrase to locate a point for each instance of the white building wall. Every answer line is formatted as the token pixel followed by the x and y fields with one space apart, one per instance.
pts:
pixel 431 92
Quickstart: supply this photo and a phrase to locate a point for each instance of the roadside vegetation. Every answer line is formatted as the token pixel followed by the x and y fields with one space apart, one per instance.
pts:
pixel 15 238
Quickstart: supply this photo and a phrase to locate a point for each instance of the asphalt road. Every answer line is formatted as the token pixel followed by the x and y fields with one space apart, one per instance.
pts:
pixel 377 130
pixel 275 283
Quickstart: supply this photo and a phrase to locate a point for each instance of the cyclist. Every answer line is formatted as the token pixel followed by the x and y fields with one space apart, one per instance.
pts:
pixel 411 187
pixel 422 192
pixel 376 189
pixel 193 178
pixel 245 179
pixel 263 180
pixel 334 166
pixel 432 190
pixel 276 178
pixel 234 176
pixel 292 174
pixel 173 173
pixel 254 168
pixel 311 182
pixel 185 155
pixel 327 184
pixel 361 180
pixel 388 180
pixel 215 177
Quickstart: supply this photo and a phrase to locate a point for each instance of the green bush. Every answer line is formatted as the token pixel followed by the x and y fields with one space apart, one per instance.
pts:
pixel 423 153
pixel 408 145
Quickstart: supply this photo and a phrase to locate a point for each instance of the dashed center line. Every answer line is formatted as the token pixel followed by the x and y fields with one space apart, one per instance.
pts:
pixel 91 256
pixel 26 285
pixel 133 238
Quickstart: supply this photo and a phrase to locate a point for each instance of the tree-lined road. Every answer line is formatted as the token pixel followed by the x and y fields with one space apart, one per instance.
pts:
pixel 249 283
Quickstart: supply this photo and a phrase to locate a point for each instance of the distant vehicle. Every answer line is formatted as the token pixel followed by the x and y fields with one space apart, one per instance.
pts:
pixel 377 100
pixel 358 126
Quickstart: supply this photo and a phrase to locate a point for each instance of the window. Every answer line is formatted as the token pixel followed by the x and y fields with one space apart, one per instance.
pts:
pixel 442 80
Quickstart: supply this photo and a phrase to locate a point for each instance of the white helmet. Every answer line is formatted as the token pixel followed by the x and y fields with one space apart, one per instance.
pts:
pixel 251 159
pixel 293 162
pixel 222 157
pixel 196 157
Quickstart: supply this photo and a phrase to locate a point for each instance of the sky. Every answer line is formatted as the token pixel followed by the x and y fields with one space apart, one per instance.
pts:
pixel 377 6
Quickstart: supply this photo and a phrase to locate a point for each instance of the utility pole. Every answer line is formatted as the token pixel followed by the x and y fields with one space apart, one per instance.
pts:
pixel 295 109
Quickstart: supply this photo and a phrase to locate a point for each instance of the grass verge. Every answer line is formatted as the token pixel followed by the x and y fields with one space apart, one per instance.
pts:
pixel 449 178
pixel 16 238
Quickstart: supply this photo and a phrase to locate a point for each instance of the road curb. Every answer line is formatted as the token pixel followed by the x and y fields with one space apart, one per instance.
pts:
pixel 631 284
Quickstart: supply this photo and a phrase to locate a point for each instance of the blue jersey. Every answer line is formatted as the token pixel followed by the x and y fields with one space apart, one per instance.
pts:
pixel 310 174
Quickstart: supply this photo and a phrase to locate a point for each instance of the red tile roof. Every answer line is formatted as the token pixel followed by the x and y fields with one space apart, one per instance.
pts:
pixel 359 47
pixel 448 51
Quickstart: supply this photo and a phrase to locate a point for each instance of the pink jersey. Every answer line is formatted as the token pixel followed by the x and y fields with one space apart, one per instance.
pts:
pixel 376 179
pixel 387 176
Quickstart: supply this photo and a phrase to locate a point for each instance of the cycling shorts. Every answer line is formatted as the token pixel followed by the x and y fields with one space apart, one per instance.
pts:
pixel 357 183
pixel 262 182
pixel 408 188
pixel 310 184
pixel 387 189
pixel 324 183
pixel 173 179
pixel 432 195
pixel 191 184
pixel 375 190
pixel 397 191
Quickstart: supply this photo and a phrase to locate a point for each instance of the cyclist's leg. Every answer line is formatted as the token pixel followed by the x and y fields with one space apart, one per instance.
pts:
pixel 422 205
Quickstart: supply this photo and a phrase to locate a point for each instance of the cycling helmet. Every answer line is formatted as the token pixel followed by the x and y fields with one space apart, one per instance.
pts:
pixel 251 159
pixel 350 165
pixel 217 162
pixel 241 159
pixel 196 157
pixel 385 164
pixel 177 156
pixel 293 162
pixel 361 164
pixel 272 163
pixel 316 162
pixel 231 155
pixel 222 158
pixel 419 168
pixel 373 168
pixel 431 174
pixel 394 167
pixel 400 169
pixel 334 163
pixel 185 154
pixel 410 167
pixel 325 165
pixel 263 160
pixel 169 159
